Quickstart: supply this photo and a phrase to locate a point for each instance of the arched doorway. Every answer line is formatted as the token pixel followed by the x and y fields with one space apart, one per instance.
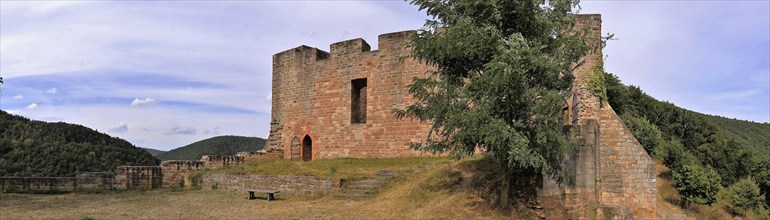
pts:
pixel 307 148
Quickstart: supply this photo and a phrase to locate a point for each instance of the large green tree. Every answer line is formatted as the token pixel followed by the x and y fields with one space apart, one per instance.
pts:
pixel 696 184
pixel 503 68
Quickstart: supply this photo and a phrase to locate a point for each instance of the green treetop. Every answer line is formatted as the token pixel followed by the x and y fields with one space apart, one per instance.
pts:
pixel 503 70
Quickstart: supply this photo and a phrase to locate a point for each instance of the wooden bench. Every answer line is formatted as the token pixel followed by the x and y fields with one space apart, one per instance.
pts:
pixel 270 193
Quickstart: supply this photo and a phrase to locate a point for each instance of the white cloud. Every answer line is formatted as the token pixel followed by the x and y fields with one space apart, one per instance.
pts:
pixel 181 130
pixel 52 91
pixel 145 101
pixel 269 96
pixel 213 131
pixel 18 97
pixel 119 128
pixel 14 112
pixel 735 95
pixel 32 106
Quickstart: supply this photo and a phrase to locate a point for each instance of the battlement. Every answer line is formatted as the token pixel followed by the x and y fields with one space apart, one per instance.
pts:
pixel 216 161
pixel 344 48
pixel 388 42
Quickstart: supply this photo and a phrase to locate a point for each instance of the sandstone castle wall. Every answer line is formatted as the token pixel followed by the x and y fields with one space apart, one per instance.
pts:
pixel 80 182
pixel 614 175
pixel 312 97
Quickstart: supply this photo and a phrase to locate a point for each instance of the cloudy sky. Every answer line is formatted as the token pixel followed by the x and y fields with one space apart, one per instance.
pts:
pixel 165 74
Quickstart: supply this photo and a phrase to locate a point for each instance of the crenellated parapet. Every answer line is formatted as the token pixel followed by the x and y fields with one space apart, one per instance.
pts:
pixel 349 47
pixel 214 161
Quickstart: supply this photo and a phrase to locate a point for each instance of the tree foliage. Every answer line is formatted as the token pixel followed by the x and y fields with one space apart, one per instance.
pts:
pixel 762 177
pixel 36 148
pixel 222 145
pixel 503 69
pixel 742 196
pixel 733 156
pixel 696 184
pixel 673 155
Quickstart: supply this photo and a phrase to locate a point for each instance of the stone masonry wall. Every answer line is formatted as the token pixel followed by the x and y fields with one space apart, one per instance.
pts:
pixel 561 201
pixel 175 171
pixel 627 172
pixel 81 181
pixel 95 180
pixel 312 92
pixel 38 184
pixel 213 161
pixel 136 177
pixel 618 177
pixel 266 155
pixel 297 185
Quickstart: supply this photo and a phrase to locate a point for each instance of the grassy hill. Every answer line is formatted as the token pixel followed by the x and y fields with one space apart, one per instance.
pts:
pixel 221 145
pixel 37 148
pixel 154 152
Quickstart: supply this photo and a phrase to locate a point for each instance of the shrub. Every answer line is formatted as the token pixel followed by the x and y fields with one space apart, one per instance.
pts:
pixel 742 196
pixel 673 155
pixel 762 177
pixel 596 82
pixel 696 184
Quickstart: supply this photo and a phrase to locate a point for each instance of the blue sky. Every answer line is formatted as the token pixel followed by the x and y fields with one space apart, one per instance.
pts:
pixel 165 74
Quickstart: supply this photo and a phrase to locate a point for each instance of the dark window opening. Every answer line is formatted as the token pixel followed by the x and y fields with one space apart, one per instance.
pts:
pixel 358 101
pixel 307 148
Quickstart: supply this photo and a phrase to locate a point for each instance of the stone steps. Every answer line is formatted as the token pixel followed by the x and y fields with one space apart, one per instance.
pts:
pixel 367 187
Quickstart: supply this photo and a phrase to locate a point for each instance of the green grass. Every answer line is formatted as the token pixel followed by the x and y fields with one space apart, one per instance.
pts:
pixel 347 168
pixel 429 192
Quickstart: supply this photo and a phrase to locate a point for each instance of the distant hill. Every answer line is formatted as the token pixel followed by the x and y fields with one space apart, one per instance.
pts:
pixel 221 145
pixel 37 148
pixel 154 152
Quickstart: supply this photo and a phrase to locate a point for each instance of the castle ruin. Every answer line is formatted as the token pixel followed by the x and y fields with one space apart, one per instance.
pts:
pixel 340 104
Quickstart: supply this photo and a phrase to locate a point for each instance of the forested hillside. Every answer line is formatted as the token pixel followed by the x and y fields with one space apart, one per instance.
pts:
pixel 37 148
pixel 154 152
pixel 221 145
pixel 754 135
pixel 705 153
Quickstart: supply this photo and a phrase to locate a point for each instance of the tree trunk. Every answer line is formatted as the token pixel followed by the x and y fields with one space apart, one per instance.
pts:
pixel 505 186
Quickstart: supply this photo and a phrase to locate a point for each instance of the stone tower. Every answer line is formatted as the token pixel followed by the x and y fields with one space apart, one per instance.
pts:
pixel 340 103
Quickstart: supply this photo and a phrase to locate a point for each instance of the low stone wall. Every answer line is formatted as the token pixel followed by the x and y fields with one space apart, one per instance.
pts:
pixel 135 177
pixel 212 161
pixel 175 171
pixel 38 184
pixel 81 181
pixel 95 180
pixel 269 155
pixel 295 185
